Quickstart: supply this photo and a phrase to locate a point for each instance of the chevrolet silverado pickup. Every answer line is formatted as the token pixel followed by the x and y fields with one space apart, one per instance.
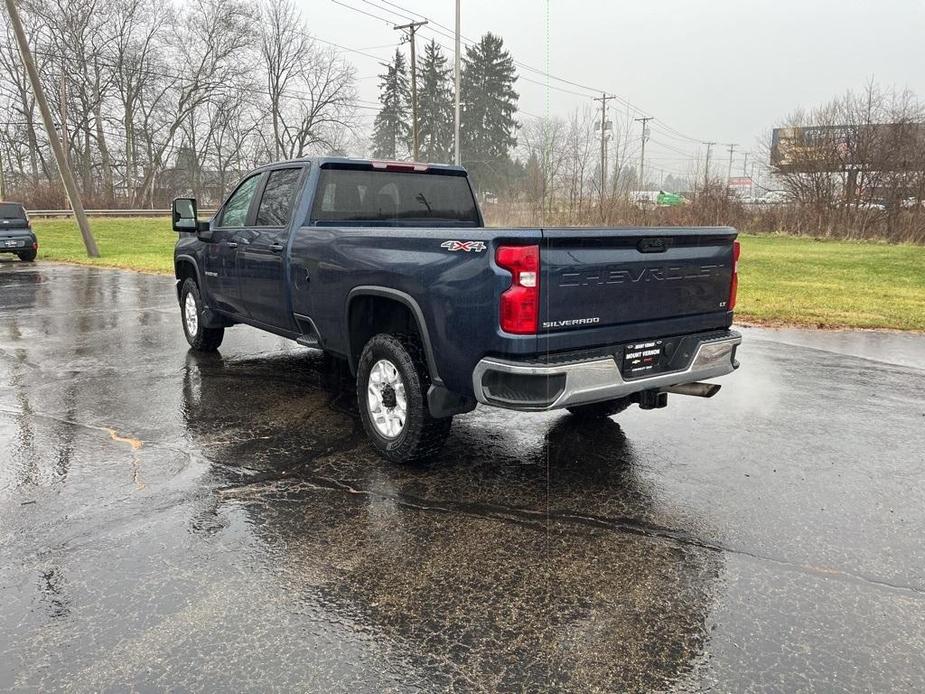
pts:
pixel 390 266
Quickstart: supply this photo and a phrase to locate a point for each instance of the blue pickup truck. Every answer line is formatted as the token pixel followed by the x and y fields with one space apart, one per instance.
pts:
pixel 390 266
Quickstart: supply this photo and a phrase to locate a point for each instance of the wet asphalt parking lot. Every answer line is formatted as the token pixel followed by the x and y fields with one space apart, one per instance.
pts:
pixel 186 522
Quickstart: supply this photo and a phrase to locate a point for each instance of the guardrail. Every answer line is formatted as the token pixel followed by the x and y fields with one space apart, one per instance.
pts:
pixel 204 214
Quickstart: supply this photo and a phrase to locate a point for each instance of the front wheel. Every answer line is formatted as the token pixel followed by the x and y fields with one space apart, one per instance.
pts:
pixel 392 383
pixel 601 410
pixel 200 338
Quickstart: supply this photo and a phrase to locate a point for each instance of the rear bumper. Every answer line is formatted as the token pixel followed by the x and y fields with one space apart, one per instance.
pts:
pixel 17 243
pixel 536 387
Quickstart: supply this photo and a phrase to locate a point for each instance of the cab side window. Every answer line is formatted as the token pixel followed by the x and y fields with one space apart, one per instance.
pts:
pixel 278 196
pixel 235 212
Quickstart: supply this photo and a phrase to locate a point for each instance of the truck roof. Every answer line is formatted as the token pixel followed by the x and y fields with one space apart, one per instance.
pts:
pixel 320 161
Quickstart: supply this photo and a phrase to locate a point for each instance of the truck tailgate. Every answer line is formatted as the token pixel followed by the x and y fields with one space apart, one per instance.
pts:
pixel 593 278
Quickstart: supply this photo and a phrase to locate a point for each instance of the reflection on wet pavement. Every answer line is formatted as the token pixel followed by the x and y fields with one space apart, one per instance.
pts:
pixel 174 520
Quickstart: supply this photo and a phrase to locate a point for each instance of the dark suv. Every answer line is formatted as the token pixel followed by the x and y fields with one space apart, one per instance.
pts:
pixel 16 235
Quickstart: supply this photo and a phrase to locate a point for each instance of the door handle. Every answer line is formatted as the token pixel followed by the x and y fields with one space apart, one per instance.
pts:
pixel 276 247
pixel 231 244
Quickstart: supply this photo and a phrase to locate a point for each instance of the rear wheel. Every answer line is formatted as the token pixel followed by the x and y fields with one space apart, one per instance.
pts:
pixel 27 256
pixel 200 338
pixel 392 383
pixel 601 410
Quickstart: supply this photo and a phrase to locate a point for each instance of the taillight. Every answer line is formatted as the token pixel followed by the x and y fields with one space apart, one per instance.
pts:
pixel 734 287
pixel 520 305
pixel 399 166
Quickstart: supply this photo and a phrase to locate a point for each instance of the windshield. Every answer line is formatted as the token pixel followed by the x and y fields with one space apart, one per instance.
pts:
pixel 350 195
pixel 11 210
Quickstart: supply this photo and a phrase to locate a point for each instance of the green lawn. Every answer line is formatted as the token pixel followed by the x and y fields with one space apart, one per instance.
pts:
pixel 797 281
pixel 144 244
pixel 782 280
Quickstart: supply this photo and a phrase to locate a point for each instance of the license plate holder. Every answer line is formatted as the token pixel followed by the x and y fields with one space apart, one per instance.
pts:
pixel 640 359
pixel 13 243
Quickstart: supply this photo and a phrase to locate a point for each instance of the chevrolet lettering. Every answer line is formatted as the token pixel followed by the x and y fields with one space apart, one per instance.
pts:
pixel 644 274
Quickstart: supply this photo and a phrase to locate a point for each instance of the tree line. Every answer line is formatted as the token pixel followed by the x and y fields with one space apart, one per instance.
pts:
pixel 537 165
pixel 157 98
pixel 854 166
pixel 488 125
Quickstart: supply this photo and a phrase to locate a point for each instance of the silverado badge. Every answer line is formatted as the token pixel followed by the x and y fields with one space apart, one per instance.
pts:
pixel 477 246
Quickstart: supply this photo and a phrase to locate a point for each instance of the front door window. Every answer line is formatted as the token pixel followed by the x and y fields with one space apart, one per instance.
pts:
pixel 235 212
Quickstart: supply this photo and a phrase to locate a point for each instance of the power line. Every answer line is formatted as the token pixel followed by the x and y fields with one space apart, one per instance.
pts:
pixel 674 149
pixel 368 14
pixel 670 131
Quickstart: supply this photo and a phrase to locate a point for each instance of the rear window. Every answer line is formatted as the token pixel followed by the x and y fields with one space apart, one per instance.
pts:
pixel 350 195
pixel 10 210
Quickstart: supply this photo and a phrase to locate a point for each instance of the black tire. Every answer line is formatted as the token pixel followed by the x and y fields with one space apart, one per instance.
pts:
pixel 600 410
pixel 421 435
pixel 27 256
pixel 200 338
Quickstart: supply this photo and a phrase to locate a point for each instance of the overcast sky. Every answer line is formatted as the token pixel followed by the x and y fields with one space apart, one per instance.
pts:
pixel 720 70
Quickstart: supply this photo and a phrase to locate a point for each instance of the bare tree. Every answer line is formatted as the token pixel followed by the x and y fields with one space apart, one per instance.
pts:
pixel 581 147
pixel 139 28
pixel 543 141
pixel 211 35
pixel 19 99
pixel 309 89
pixel 284 48
pixel 161 95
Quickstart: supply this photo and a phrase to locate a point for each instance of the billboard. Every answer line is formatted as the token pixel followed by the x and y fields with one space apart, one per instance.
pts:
pixel 879 147
pixel 740 185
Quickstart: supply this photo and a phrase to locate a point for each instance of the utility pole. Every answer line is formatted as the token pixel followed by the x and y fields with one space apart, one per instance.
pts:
pixel 412 28
pixel 732 149
pixel 706 169
pixel 603 98
pixel 66 177
pixel 63 99
pixel 65 138
pixel 456 159
pixel 642 157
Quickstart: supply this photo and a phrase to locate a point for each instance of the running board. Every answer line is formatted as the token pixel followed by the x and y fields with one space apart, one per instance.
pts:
pixel 309 336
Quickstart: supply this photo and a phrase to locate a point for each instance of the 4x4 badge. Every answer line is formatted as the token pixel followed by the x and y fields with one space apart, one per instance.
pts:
pixel 467 246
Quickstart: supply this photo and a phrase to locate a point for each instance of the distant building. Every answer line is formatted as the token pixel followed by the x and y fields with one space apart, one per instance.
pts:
pixel 187 178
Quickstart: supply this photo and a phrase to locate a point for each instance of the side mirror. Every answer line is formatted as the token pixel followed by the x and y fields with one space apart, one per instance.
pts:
pixel 184 214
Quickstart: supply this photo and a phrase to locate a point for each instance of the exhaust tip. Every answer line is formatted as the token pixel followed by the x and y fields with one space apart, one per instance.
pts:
pixel 697 390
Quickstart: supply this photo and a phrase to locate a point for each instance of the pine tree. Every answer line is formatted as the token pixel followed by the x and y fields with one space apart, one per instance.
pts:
pixel 488 124
pixel 392 127
pixel 435 106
